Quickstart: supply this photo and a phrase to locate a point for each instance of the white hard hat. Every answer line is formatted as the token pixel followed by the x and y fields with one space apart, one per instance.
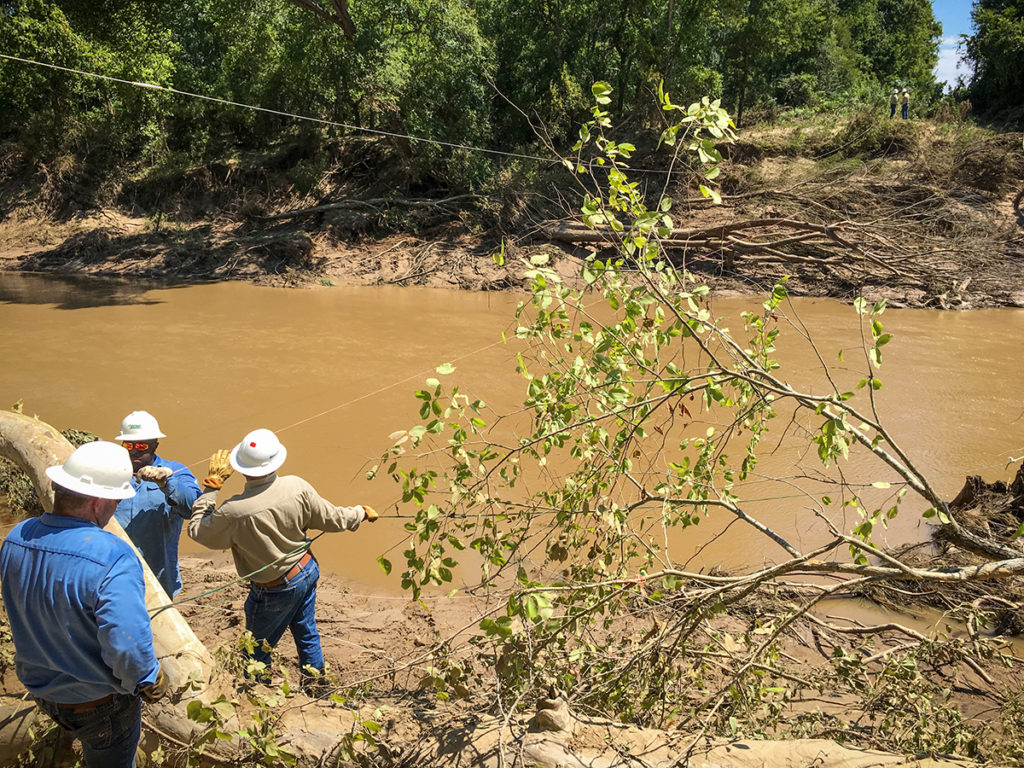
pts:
pixel 259 453
pixel 99 469
pixel 140 425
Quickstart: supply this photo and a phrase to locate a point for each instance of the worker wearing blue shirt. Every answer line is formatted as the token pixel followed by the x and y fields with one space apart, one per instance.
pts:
pixel 164 494
pixel 75 598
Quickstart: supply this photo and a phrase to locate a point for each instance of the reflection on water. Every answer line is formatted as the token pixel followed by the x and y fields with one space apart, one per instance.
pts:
pixel 71 292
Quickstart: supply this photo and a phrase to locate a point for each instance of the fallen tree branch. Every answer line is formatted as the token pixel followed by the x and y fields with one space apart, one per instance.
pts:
pixel 751 239
pixel 418 202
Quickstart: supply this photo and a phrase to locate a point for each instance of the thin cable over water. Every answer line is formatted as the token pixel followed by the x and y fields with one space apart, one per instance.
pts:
pixel 308 118
pixel 281 113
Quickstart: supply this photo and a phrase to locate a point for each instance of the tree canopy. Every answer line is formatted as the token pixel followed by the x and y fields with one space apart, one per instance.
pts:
pixel 996 51
pixel 467 71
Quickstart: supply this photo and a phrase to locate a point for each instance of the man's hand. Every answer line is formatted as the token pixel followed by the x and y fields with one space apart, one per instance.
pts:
pixel 157 689
pixel 371 513
pixel 220 470
pixel 158 475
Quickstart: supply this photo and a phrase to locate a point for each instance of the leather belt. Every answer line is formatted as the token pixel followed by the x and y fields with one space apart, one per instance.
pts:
pixel 88 706
pixel 292 573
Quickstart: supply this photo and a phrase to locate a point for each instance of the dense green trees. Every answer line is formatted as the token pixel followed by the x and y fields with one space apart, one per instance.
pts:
pixel 463 71
pixel 414 67
pixel 996 50
pixel 788 52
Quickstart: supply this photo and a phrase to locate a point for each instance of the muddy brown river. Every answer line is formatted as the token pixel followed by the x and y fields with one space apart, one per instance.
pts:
pixel 332 370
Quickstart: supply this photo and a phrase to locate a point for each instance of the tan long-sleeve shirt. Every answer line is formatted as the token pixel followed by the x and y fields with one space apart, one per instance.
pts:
pixel 267 521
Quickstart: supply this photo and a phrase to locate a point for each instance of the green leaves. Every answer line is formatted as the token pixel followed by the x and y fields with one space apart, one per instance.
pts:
pixel 537 606
pixel 833 440
pixel 711 193
pixel 639 415
pixel 602 92
pixel 940 514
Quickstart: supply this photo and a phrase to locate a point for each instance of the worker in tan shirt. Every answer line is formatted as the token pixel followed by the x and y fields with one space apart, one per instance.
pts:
pixel 265 528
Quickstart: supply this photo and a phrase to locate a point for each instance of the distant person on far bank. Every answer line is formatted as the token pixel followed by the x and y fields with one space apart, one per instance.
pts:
pixel 905 101
pixel 75 598
pixel 265 527
pixel 894 99
pixel 164 494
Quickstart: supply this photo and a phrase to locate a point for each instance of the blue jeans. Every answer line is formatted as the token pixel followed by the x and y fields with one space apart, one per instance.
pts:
pixel 906 111
pixel 269 611
pixel 109 733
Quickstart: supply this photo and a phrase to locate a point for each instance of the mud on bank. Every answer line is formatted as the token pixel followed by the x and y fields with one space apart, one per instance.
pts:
pixel 927 215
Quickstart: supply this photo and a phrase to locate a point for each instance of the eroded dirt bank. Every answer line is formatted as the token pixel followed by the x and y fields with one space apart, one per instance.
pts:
pixel 928 215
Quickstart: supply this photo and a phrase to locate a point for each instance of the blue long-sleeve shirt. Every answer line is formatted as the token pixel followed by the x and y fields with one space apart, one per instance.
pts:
pixel 75 598
pixel 152 519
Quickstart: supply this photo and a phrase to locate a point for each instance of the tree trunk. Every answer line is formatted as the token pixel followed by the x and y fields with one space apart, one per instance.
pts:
pixel 34 445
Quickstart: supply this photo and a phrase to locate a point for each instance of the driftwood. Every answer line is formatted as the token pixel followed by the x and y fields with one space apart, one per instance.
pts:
pixel 755 240
pixel 374 202
pixel 1002 507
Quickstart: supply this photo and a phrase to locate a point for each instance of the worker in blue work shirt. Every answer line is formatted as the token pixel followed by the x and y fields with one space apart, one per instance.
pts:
pixel 164 494
pixel 75 599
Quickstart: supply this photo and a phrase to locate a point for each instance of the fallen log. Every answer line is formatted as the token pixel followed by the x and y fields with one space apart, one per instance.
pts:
pixel 751 240
pixel 34 445
pixel 419 202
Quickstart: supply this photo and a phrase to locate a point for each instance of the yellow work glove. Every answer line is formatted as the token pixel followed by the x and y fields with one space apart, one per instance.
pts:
pixel 371 514
pixel 158 475
pixel 220 470
pixel 157 689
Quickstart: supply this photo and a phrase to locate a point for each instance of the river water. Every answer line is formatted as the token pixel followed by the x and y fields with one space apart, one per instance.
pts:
pixel 332 370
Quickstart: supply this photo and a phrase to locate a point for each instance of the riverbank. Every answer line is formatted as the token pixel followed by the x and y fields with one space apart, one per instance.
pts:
pixel 391 661
pixel 925 214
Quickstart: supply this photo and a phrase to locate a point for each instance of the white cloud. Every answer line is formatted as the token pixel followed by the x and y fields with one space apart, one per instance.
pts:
pixel 950 67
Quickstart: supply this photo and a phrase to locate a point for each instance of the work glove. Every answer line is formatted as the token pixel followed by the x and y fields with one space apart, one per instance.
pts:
pixel 220 470
pixel 158 688
pixel 158 475
pixel 371 514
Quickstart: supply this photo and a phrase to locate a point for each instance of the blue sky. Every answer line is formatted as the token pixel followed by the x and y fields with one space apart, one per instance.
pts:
pixel 955 16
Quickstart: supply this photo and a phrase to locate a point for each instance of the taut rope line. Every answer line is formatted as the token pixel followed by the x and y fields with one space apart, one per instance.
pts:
pixel 281 113
pixel 295 116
